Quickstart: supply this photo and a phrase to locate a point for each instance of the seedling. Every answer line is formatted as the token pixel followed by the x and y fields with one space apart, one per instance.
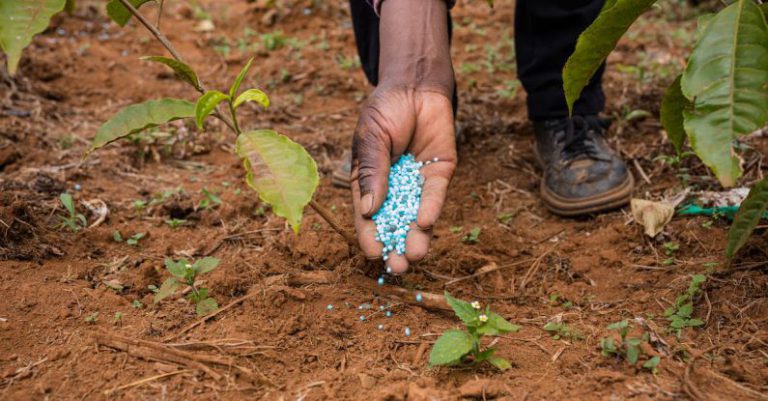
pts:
pixel 185 274
pixel 210 200
pixel 628 348
pixel 473 236
pixel 117 236
pixel 679 314
pixel 456 347
pixel 118 318
pixel 456 229
pixel 134 240
pixel 73 220
pixel 506 217
pixel 92 318
pixel 136 304
pixel 561 330
pixel 175 223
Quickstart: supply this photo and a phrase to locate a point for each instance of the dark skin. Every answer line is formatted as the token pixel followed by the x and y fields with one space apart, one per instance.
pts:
pixel 409 112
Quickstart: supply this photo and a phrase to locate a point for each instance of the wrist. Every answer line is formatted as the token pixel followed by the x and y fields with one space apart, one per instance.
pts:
pixel 415 48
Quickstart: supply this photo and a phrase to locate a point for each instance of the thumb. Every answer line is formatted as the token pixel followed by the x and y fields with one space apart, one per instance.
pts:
pixel 371 155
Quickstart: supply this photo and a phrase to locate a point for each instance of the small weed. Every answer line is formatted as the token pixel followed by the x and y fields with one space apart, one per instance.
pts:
pixel 347 63
pixel 628 348
pixel 118 319
pixel 210 200
pixel 136 304
pixel 185 273
pixel 679 314
pixel 117 236
pixel 671 247
pixel 562 330
pixel 456 229
pixel 273 41
pixel 175 223
pixel 134 240
pixel 139 205
pixel 73 220
pixel 472 237
pixel 506 217
pixel 510 89
pixel 457 346
pixel 92 318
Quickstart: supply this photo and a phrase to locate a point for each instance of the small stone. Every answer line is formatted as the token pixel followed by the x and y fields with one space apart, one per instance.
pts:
pixel 381 327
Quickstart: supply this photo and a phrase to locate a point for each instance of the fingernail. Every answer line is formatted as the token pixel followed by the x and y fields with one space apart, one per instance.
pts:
pixel 367 204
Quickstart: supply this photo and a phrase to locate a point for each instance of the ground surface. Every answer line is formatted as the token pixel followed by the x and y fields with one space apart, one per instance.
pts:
pixel 281 342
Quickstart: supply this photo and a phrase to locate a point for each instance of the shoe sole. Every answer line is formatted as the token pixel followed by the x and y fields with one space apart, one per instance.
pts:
pixel 569 207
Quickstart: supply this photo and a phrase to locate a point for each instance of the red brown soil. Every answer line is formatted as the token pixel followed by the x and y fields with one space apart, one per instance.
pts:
pixel 84 68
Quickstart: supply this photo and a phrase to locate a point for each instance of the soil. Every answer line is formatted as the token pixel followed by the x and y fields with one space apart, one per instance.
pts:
pixel 61 338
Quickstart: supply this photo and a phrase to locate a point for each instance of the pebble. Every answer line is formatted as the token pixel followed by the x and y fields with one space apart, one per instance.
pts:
pixel 381 327
pixel 401 206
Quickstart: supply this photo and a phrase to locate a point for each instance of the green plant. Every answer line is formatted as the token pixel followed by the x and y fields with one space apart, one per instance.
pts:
pixel 73 220
pixel 210 200
pixel 457 346
pixel 20 21
pixel 561 330
pixel 185 273
pixel 92 318
pixel 473 236
pixel 628 348
pixel 721 95
pixel 680 313
pixel 281 171
pixel 136 304
pixel 118 318
pixel 135 238
pixel 175 223
pixel 116 236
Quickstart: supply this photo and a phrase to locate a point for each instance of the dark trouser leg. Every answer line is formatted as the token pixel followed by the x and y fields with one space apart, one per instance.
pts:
pixel 365 23
pixel 545 36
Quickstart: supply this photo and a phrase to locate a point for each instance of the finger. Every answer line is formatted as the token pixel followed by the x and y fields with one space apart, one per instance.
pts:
pixel 397 264
pixel 417 243
pixel 371 150
pixel 437 176
pixel 365 228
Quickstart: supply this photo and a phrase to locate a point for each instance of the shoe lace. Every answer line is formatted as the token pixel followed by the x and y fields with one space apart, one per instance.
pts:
pixel 578 137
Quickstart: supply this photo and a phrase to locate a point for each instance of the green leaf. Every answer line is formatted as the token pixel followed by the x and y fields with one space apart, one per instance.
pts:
pixel 463 309
pixel 206 306
pixel 206 104
pixel 685 310
pixel 20 21
pixel 496 325
pixel 183 71
pixel 748 216
pixel 596 42
pixel 499 362
pixel 121 15
pixel 652 363
pixel 68 202
pixel 140 116
pixel 239 80
pixel 607 346
pixel 619 325
pixel 450 347
pixel 672 106
pixel 694 322
pixel 280 170
pixel 726 80
pixel 552 326
pixel 482 356
pixel 252 95
pixel 701 23
pixel 206 264
pixel 168 288
pixel 633 354
pixel 178 269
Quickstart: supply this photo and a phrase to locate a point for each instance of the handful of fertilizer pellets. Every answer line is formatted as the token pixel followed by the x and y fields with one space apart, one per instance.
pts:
pixel 401 206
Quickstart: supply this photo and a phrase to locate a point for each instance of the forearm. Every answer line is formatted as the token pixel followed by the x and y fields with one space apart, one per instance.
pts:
pixel 415 48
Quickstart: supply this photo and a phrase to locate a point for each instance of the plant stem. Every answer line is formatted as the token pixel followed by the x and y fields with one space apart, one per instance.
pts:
pixel 328 217
pixel 234 117
pixel 169 46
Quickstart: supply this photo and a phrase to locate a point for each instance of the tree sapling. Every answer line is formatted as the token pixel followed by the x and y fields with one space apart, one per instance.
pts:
pixel 185 273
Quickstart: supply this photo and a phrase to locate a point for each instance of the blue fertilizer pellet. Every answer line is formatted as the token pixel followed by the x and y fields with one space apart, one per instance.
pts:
pixel 78 187
pixel 362 318
pixel 329 307
pixel 401 206
pixel 407 331
pixel 419 297
pixel 389 313
pixel 381 327
pixel 381 281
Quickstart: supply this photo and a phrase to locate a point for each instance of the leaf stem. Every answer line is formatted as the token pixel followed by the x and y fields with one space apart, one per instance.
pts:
pixel 169 46
pixel 328 217
pixel 234 117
